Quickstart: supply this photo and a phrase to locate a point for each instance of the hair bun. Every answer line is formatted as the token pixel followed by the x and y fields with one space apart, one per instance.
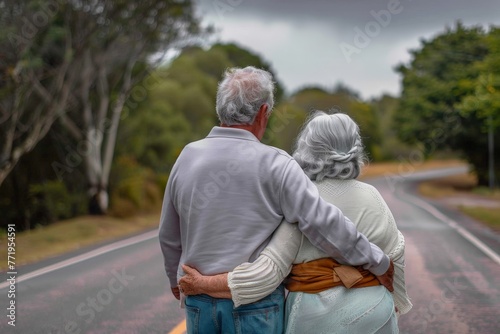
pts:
pixel 341 156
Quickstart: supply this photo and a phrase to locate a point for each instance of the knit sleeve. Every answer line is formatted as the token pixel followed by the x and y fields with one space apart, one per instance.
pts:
pixel 392 241
pixel 250 282
pixel 397 255
pixel 401 299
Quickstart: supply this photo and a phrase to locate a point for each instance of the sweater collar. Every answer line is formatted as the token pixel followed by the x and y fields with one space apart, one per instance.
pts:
pixel 218 131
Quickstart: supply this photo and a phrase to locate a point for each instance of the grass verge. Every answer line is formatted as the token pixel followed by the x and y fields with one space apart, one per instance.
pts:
pixel 400 168
pixel 465 185
pixel 460 184
pixel 69 235
pixel 488 216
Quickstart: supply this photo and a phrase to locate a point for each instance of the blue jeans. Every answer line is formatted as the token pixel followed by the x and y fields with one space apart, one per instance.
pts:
pixel 207 315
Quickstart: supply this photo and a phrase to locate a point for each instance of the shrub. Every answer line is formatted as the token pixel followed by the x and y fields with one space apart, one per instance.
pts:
pixel 49 201
pixel 134 189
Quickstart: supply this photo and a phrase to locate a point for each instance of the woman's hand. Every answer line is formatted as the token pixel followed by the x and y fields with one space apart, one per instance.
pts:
pixel 192 282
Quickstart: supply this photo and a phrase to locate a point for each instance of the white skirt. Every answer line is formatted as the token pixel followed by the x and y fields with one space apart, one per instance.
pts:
pixel 340 310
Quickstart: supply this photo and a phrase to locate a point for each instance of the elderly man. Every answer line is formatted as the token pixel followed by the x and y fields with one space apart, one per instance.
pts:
pixel 228 193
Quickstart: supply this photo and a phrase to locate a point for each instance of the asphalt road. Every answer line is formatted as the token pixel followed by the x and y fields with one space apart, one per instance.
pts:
pixel 453 278
pixel 453 267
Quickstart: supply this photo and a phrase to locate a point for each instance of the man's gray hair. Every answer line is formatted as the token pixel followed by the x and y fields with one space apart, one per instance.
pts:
pixel 241 93
pixel 330 146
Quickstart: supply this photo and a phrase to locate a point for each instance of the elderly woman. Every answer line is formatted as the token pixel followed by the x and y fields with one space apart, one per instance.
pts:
pixel 342 300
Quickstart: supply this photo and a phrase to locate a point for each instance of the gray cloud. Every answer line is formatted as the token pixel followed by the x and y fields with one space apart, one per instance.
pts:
pixel 303 39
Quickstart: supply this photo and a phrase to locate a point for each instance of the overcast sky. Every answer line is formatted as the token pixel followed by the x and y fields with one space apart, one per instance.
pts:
pixel 357 42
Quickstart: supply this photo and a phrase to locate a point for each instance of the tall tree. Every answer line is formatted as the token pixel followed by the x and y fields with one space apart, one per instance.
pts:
pixel 485 99
pixel 37 75
pixel 391 148
pixel 484 102
pixel 123 36
pixel 180 105
pixel 440 75
pixel 96 53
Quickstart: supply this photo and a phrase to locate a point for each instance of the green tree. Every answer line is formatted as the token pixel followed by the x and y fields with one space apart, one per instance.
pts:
pixel 284 125
pixel 155 130
pixel 180 104
pixel 80 66
pixel 484 102
pixel 440 75
pixel 391 148
pixel 36 75
pixel 120 40
pixel 31 194
pixel 364 114
pixel 485 99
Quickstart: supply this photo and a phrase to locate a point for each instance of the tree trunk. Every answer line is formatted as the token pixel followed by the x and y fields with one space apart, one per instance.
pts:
pixel 4 172
pixel 98 203
pixel 101 129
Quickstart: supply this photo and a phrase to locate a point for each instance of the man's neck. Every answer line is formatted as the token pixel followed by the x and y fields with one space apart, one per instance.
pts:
pixel 258 127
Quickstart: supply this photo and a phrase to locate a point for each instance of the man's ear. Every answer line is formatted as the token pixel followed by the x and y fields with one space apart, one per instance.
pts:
pixel 262 117
pixel 259 125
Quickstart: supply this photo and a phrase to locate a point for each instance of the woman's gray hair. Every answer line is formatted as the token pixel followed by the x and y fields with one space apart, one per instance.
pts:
pixel 241 93
pixel 330 146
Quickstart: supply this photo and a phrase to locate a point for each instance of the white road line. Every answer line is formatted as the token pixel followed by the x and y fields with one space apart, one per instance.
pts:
pixel 451 223
pixel 85 256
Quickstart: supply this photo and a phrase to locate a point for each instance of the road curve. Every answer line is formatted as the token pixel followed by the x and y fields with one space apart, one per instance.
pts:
pixel 454 285
pixel 452 273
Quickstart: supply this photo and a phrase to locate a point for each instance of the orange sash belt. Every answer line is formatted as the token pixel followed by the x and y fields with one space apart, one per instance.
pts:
pixel 326 273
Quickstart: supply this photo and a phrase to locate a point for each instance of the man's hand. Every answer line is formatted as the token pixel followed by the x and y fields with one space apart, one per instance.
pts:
pixel 388 278
pixel 176 293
